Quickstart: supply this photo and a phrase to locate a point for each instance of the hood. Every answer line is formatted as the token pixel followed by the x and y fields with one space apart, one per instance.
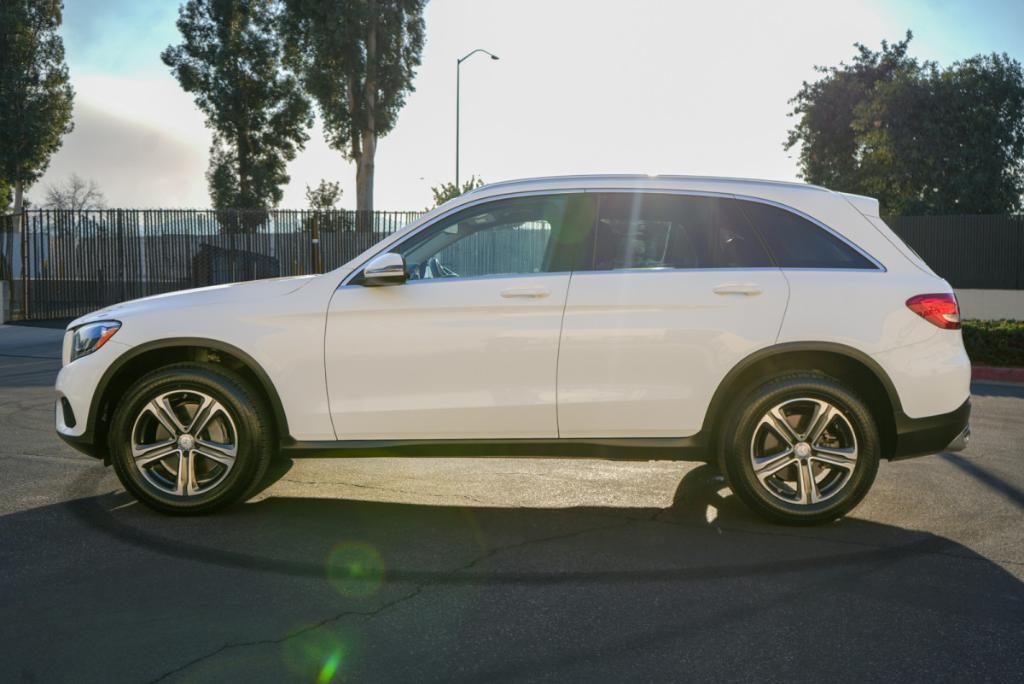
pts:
pixel 253 291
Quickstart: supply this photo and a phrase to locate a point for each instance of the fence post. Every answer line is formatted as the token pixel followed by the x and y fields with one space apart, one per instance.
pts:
pixel 23 220
pixel 314 232
pixel 121 255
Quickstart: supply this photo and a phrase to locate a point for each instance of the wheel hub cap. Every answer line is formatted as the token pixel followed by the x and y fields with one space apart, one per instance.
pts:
pixel 802 450
pixel 186 442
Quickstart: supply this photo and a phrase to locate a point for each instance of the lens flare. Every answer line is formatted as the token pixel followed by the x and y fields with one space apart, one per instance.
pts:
pixel 329 668
pixel 355 569
pixel 319 653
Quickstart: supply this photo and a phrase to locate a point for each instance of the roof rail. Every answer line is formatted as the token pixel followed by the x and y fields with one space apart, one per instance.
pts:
pixel 637 177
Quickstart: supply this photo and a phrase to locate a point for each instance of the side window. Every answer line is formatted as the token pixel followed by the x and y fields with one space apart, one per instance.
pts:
pixel 651 230
pixel 795 242
pixel 504 237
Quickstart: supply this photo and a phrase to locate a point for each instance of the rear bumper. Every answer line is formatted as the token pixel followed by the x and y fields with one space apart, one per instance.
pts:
pixel 930 435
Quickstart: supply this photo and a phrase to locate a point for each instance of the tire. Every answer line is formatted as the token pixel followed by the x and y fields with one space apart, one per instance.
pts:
pixel 197 415
pixel 832 454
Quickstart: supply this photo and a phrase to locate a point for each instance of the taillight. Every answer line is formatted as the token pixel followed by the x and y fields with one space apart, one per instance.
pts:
pixel 938 309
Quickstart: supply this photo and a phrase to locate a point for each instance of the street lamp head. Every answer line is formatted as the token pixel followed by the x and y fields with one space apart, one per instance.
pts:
pixel 470 54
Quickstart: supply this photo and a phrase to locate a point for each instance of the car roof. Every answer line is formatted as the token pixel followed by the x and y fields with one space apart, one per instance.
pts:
pixel 776 190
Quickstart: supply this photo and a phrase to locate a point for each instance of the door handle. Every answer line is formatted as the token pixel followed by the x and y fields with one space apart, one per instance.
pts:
pixel 747 289
pixel 535 292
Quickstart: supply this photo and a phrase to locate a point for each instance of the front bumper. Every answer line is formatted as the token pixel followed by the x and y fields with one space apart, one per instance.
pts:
pixel 930 435
pixel 77 402
pixel 84 445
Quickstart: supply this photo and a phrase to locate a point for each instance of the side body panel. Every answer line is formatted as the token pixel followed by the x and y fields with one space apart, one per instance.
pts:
pixel 643 351
pixel 446 359
pixel 278 323
pixel 867 311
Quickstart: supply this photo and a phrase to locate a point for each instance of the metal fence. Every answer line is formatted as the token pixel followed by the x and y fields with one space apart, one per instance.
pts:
pixel 62 264
pixel 985 252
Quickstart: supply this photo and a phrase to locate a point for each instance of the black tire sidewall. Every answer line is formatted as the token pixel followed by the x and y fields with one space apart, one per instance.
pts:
pixel 234 395
pixel 737 448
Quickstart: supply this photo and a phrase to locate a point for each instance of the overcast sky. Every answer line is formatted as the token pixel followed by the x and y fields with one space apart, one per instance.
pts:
pixel 582 86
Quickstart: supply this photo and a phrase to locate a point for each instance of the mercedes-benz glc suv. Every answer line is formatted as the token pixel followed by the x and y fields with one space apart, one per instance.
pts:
pixel 778 330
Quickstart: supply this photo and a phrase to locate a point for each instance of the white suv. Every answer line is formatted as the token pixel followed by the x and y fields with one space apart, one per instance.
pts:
pixel 780 330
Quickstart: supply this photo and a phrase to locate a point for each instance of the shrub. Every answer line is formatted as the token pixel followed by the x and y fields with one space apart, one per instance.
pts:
pixel 994 343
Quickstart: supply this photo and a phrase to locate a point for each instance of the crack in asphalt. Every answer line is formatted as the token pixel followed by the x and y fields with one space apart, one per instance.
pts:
pixel 305 630
pixel 370 614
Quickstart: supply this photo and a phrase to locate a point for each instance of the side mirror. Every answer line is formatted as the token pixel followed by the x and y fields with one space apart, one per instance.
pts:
pixel 384 269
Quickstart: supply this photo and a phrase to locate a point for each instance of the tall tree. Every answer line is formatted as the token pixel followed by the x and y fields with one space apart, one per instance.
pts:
pixel 75 194
pixel 357 59
pixel 230 60
pixel 920 138
pixel 36 96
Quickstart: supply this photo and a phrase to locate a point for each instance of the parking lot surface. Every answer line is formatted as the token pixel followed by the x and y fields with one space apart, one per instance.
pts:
pixel 428 569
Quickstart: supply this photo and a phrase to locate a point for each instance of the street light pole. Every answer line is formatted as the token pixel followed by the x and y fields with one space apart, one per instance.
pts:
pixel 458 79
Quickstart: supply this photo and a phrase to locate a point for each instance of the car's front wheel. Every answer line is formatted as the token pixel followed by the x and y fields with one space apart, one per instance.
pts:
pixel 190 438
pixel 801 449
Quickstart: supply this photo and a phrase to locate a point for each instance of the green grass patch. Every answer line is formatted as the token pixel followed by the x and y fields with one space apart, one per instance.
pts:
pixel 995 343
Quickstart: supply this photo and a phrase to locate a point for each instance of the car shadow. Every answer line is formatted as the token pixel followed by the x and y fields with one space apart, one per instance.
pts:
pixel 520 592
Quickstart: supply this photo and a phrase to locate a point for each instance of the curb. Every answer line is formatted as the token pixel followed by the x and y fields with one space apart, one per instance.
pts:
pixel 996 373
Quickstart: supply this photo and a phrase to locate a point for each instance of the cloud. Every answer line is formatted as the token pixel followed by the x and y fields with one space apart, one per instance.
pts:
pixel 135 163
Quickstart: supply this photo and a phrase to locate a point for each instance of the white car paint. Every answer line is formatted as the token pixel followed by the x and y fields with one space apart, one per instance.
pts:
pixel 454 359
pixel 619 354
pixel 643 351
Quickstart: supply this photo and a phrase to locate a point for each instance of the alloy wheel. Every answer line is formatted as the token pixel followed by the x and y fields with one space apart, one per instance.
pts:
pixel 803 451
pixel 184 443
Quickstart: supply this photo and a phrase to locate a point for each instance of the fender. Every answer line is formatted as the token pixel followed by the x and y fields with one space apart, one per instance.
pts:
pixel 169 343
pixel 727 386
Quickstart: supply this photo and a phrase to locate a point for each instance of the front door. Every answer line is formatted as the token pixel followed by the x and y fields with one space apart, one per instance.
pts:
pixel 467 347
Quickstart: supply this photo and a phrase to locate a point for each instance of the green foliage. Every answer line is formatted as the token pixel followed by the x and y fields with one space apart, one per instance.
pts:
pixel 447 191
pixel 995 343
pixel 920 138
pixel 324 197
pixel 357 59
pixel 35 92
pixel 230 60
pixel 6 197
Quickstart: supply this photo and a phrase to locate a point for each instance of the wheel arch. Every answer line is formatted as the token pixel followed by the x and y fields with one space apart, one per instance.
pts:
pixel 848 365
pixel 149 356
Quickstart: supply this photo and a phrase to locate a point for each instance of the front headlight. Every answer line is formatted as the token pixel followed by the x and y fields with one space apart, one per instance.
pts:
pixel 90 337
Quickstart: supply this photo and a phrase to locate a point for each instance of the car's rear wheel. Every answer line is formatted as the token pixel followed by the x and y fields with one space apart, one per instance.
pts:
pixel 190 438
pixel 801 449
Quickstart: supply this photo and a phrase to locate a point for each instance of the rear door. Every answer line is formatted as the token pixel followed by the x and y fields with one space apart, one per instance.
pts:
pixel 675 291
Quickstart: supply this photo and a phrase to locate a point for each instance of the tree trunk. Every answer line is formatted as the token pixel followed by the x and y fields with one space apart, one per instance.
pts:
pixel 19 196
pixel 368 133
pixel 364 181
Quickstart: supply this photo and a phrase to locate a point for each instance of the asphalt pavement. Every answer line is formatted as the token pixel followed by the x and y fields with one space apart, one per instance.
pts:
pixel 492 569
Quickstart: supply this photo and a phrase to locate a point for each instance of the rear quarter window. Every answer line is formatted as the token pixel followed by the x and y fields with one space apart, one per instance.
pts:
pixel 796 242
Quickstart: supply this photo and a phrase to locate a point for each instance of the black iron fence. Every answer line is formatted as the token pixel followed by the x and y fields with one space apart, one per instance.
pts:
pixel 985 252
pixel 61 264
